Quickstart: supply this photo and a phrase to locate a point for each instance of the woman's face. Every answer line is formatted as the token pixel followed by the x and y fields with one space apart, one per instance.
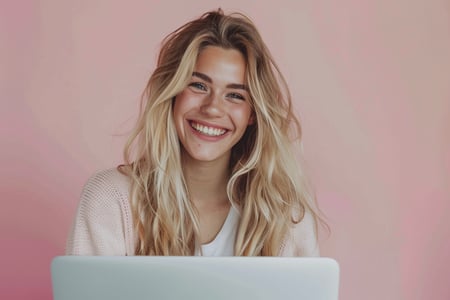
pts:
pixel 212 113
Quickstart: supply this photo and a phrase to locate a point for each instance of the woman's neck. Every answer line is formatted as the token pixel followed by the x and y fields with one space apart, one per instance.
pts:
pixel 207 181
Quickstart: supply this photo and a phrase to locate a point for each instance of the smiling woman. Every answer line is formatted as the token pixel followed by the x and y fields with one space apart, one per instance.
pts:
pixel 209 168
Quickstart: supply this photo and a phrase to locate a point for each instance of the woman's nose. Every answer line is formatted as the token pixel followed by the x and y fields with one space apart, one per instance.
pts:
pixel 212 105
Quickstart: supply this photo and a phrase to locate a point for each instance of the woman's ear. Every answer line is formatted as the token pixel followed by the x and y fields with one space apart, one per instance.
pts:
pixel 252 119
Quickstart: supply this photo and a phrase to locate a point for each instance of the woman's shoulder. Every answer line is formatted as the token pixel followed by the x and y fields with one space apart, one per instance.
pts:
pixel 107 187
pixel 301 239
pixel 109 181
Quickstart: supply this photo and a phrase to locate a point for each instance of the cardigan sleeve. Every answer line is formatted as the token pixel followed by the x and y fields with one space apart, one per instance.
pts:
pixel 99 227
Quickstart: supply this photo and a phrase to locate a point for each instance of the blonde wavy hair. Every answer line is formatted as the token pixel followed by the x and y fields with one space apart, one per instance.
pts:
pixel 266 184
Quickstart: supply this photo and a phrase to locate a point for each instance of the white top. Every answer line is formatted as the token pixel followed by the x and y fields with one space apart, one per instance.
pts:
pixel 223 243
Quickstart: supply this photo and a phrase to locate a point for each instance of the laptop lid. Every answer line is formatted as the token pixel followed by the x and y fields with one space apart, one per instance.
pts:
pixel 181 277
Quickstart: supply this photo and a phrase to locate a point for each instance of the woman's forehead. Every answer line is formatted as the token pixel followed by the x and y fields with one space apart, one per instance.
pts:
pixel 220 65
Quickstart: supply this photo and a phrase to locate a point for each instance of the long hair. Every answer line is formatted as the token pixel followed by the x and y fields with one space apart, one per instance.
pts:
pixel 266 185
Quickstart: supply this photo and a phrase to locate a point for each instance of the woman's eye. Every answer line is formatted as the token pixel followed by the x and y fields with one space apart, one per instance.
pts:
pixel 236 96
pixel 198 86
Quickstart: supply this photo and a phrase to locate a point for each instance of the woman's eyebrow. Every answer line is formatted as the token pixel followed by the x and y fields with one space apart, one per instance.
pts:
pixel 202 76
pixel 238 86
pixel 209 80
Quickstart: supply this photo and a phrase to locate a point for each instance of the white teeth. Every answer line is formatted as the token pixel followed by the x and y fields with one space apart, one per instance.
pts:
pixel 207 130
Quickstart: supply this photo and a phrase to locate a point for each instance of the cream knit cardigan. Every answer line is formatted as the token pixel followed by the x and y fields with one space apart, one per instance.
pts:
pixel 103 224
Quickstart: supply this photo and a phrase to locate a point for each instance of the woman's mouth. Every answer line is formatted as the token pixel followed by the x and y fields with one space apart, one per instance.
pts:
pixel 206 130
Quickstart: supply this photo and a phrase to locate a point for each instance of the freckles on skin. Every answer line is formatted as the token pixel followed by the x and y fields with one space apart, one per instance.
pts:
pixel 212 113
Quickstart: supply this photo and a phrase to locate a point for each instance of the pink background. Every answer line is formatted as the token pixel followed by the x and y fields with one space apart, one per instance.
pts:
pixel 370 80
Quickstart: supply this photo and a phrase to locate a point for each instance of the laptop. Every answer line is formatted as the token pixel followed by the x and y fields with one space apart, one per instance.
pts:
pixel 194 277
